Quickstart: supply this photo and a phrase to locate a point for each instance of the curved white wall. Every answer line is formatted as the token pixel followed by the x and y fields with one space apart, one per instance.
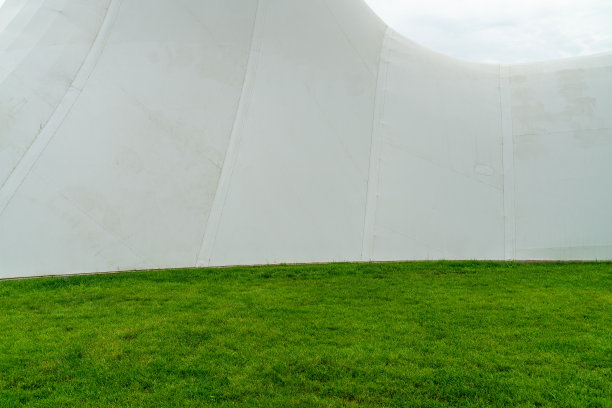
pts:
pixel 225 132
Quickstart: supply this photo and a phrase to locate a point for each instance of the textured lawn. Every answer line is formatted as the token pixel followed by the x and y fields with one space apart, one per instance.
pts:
pixel 413 334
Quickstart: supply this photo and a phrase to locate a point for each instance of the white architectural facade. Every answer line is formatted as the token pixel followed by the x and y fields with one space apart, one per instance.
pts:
pixel 157 134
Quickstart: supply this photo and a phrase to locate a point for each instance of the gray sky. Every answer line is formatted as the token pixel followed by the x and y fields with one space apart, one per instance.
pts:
pixel 503 30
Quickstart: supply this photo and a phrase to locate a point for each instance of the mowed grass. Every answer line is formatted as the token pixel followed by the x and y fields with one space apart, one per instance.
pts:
pixel 403 334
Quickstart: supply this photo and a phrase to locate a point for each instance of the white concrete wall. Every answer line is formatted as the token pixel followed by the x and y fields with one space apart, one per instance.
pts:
pixel 150 134
pixel 437 179
pixel 562 132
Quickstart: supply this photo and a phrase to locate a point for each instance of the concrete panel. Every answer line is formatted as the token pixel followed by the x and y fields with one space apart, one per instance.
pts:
pixel 298 186
pixel 141 149
pixel 562 128
pixel 42 48
pixel 440 171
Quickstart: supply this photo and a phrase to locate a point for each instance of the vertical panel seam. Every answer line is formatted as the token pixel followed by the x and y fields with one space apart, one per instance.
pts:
pixel 367 246
pixel 508 163
pixel 213 224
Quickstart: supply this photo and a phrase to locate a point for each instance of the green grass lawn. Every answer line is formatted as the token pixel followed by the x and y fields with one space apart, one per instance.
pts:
pixel 404 334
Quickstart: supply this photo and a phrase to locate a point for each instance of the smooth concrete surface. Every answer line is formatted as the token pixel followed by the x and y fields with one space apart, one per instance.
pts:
pixel 155 134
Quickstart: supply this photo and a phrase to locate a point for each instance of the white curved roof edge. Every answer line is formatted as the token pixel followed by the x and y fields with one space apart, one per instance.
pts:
pixel 230 132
